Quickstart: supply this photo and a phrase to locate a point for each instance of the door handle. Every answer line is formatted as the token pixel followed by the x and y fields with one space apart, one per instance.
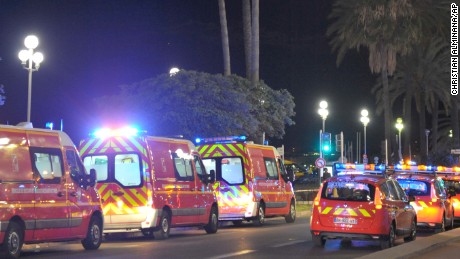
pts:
pixel 60 194
pixel 74 194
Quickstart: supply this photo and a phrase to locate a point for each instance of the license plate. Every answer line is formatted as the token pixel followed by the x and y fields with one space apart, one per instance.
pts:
pixel 340 220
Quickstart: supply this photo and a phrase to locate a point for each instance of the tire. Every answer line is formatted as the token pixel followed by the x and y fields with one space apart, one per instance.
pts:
pixel 451 225
pixel 93 238
pixel 260 218
pixel 290 218
pixel 388 241
pixel 413 232
pixel 14 239
pixel 318 241
pixel 213 223
pixel 442 228
pixel 165 226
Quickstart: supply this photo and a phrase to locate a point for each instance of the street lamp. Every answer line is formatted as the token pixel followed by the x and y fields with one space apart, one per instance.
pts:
pixel 173 71
pixel 365 120
pixel 399 125
pixel 427 132
pixel 323 112
pixel 31 61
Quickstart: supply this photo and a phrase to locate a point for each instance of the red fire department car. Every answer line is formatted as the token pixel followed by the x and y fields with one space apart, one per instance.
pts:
pixel 451 177
pixel 362 204
pixel 251 181
pixel 150 183
pixel 432 202
pixel 45 193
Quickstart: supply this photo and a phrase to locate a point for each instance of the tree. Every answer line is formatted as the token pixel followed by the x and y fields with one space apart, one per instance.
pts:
pixel 385 28
pixel 247 38
pixel 224 36
pixel 195 104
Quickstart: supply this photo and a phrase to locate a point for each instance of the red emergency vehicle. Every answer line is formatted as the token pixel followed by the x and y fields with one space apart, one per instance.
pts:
pixel 451 177
pixel 45 193
pixel 150 183
pixel 251 181
pixel 432 202
pixel 361 203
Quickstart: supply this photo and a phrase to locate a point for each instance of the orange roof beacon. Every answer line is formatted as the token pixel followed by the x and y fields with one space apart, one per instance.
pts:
pixel 150 183
pixel 432 202
pixel 45 193
pixel 451 177
pixel 362 204
pixel 251 181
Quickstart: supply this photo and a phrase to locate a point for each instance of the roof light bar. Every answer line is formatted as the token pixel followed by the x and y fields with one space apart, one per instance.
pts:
pixel 226 139
pixel 120 132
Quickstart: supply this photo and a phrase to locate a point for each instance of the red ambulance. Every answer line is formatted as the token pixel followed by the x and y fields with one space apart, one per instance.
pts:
pixel 45 193
pixel 251 181
pixel 150 183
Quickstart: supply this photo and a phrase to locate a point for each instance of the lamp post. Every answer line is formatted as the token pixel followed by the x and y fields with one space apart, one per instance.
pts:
pixel 399 125
pixel 365 120
pixel 31 61
pixel 323 112
pixel 427 132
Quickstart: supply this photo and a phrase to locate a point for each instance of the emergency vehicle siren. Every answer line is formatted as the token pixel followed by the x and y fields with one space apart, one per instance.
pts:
pixel 357 169
pixel 221 140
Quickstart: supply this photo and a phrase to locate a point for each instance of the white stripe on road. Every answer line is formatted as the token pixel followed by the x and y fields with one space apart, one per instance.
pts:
pixel 232 254
pixel 290 243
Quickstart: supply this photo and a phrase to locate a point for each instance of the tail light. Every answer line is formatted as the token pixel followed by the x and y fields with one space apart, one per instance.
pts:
pixel 378 199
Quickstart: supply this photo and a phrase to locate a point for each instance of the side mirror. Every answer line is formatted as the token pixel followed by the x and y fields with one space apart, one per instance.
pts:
pixel 92 177
pixel 212 176
pixel 411 198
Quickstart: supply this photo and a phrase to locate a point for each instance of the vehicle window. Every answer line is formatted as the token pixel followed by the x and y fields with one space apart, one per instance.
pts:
pixel 439 188
pixel 47 164
pixel 400 191
pixel 128 170
pixel 384 190
pixel 348 190
pixel 282 167
pixel 183 168
pixel 454 184
pixel 392 191
pixel 415 187
pixel 270 167
pixel 100 164
pixel 77 171
pixel 228 169
pixel 200 169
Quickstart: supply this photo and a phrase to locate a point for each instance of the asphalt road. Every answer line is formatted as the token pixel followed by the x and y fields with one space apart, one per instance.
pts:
pixel 276 239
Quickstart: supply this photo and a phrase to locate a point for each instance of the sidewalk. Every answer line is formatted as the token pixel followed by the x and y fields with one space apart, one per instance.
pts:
pixel 417 247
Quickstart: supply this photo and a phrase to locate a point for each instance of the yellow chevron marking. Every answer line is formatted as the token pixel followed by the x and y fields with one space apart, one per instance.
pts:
pixel 423 204
pixel 338 211
pixel 364 212
pixel 326 210
pixel 351 212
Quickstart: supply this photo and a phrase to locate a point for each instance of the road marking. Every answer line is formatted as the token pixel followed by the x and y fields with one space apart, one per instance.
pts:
pixel 232 254
pixel 290 243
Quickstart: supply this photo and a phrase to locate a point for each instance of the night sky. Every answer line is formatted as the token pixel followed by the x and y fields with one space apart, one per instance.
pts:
pixel 91 47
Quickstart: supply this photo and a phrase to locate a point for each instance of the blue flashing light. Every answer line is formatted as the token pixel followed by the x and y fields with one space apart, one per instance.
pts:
pixel 121 132
pixel 227 139
pixel 49 125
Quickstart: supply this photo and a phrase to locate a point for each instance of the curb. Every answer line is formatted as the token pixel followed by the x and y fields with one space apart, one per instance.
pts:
pixel 417 247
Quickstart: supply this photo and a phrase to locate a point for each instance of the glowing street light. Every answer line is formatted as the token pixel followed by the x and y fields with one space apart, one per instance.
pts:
pixel 173 71
pixel 323 112
pixel 399 125
pixel 31 61
pixel 365 120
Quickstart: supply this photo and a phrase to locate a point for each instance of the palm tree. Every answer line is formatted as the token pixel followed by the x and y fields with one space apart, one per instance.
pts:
pixel 420 76
pixel 255 43
pixel 247 35
pixel 224 36
pixel 385 28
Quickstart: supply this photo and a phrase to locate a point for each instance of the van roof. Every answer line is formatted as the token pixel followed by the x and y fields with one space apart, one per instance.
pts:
pixel 65 139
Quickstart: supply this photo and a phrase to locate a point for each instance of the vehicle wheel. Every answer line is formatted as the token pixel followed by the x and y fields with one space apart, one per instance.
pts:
pixel 290 218
pixel 94 235
pixel 318 241
pixel 451 223
pixel 165 226
pixel 147 232
pixel 14 239
pixel 413 233
pixel 237 222
pixel 213 223
pixel 442 228
pixel 260 218
pixel 388 241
